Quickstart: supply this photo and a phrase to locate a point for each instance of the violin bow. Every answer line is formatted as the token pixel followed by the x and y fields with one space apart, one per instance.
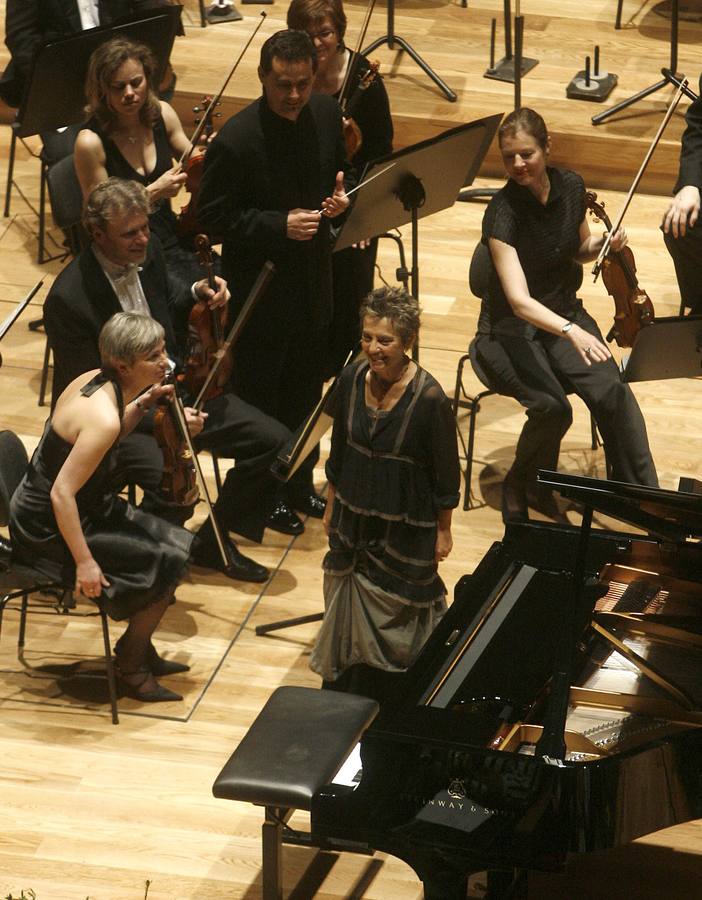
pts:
pixel 639 175
pixel 343 98
pixel 179 412
pixel 185 156
pixel 255 294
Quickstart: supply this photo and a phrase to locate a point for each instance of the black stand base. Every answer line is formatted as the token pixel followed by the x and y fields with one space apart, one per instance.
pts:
pixel 504 70
pixel 391 40
pixel 288 623
pixel 213 15
pixel 600 87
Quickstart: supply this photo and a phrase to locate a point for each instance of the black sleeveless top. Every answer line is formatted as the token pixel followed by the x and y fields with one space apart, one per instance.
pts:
pixel 163 219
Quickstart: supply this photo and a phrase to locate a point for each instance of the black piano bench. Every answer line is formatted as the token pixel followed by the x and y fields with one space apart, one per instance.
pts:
pixel 296 745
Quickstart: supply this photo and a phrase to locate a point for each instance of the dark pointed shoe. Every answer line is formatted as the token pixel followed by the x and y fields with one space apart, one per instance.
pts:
pixel 156 664
pixel 284 520
pixel 132 681
pixel 160 666
pixel 239 567
pixel 310 505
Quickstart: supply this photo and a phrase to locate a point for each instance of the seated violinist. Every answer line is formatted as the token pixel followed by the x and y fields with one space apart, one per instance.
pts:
pixel 132 134
pixel 124 269
pixel 535 340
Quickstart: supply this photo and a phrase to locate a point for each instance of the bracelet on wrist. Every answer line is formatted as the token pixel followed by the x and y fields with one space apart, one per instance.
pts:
pixel 566 328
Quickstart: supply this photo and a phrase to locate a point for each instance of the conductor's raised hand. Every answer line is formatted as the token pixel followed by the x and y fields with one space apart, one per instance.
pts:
pixel 339 201
pixel 303 224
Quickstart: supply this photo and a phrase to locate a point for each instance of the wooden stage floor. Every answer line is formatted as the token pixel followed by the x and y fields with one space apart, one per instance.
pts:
pixel 93 810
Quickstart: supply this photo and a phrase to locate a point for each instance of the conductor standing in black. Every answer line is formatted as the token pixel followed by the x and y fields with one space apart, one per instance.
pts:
pixel 274 177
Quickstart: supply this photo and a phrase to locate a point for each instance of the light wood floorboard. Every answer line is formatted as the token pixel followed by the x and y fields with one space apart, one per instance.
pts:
pixel 94 810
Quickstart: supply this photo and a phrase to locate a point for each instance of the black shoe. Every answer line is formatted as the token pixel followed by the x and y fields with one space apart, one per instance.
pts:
pixel 240 567
pixel 309 505
pixel 514 501
pixel 284 520
pixel 156 664
pixel 132 681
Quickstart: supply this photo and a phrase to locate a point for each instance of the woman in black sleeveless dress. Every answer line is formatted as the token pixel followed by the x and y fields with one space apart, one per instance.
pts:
pixel 65 521
pixel 131 134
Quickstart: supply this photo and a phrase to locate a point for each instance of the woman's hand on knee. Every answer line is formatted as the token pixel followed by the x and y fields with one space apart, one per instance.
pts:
pixel 590 348
pixel 89 579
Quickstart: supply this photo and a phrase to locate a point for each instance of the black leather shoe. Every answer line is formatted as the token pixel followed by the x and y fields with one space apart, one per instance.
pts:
pixel 310 505
pixel 284 520
pixel 240 567
pixel 514 501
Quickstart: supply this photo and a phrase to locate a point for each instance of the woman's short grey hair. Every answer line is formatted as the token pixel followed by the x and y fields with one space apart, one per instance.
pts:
pixel 113 198
pixel 126 336
pixel 396 305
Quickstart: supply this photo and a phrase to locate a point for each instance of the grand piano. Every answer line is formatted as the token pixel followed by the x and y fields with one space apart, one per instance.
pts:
pixel 556 709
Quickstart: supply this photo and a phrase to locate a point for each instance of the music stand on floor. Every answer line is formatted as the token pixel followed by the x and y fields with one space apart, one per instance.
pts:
pixel 391 39
pixel 669 75
pixel 424 179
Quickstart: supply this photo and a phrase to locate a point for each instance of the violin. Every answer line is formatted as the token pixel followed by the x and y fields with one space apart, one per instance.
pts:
pixel 353 136
pixel 187 224
pixel 352 133
pixel 633 307
pixel 206 333
pixel 179 479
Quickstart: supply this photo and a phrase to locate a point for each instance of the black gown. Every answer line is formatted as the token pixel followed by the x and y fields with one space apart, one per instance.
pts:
pixel 142 556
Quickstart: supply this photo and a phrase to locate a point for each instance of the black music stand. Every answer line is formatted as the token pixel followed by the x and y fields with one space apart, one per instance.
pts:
pixel 54 93
pixel 391 39
pixel 669 74
pixel 668 348
pixel 424 179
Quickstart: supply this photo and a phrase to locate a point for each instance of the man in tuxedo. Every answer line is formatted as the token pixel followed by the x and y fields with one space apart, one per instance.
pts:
pixel 274 178
pixel 682 231
pixel 31 23
pixel 124 269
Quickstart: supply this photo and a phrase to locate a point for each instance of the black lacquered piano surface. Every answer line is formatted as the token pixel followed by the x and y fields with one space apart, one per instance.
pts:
pixel 455 776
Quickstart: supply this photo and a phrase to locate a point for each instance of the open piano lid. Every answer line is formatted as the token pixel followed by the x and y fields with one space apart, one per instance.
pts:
pixel 669 515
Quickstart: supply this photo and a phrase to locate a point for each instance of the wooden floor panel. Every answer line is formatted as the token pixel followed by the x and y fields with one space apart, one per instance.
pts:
pixel 94 810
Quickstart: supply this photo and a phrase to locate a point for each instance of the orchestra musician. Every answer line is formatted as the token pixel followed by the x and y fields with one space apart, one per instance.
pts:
pixel 535 340
pixel 275 175
pixel 368 136
pixel 66 520
pixel 124 269
pixel 132 134
pixel 393 483
pixel 681 232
